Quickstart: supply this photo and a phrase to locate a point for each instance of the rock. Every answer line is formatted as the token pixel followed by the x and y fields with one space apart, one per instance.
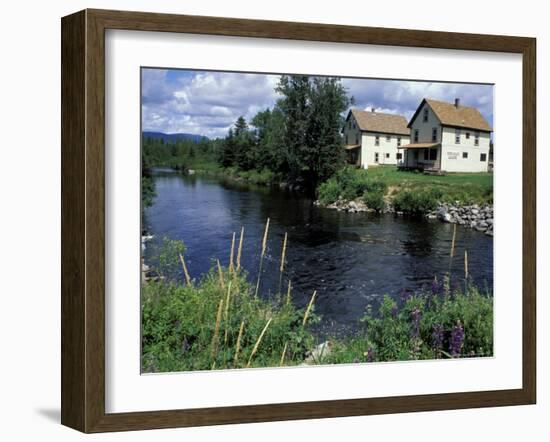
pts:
pixel 447 217
pixel 316 355
pixel 352 205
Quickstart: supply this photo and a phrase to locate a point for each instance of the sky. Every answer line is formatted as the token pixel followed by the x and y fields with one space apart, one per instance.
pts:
pixel 208 103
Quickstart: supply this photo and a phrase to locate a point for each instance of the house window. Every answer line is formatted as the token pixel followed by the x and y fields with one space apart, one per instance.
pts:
pixel 399 156
pixel 467 135
pixel 398 141
pixel 434 134
pixel 388 138
pixel 377 140
pixel 354 124
pixel 356 139
pixel 425 117
pixel 433 154
pixel 465 155
pixel 483 157
pixel 476 139
pixel 387 155
pixel 416 154
pixel 376 159
pixel 457 136
pixel 416 135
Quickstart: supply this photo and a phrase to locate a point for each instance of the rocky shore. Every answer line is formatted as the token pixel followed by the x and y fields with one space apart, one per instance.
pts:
pixel 472 216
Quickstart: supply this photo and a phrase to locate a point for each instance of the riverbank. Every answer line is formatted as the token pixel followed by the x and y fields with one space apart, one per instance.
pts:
pixel 464 199
pixel 220 321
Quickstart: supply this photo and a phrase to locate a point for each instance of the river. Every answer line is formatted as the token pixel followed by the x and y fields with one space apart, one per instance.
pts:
pixel 351 259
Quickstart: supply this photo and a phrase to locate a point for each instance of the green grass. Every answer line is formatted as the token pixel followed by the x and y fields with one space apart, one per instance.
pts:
pixel 467 188
pixel 408 187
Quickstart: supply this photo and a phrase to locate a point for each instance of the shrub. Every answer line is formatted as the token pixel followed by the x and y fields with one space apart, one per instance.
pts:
pixel 329 191
pixel 417 202
pixel 428 325
pixel 349 183
pixel 374 200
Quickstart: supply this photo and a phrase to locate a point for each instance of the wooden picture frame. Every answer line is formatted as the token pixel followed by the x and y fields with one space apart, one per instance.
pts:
pixel 83 220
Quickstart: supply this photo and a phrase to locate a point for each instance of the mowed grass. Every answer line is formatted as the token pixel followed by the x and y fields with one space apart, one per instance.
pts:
pixel 466 188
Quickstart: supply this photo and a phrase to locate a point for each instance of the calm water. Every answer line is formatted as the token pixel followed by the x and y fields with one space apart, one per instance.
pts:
pixel 352 260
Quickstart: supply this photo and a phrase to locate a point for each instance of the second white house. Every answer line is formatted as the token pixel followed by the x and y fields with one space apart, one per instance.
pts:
pixel 373 138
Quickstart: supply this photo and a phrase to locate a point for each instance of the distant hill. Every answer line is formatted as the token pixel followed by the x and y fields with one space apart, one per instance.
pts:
pixel 174 137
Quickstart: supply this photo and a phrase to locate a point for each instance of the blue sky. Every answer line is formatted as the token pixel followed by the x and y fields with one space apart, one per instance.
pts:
pixel 208 103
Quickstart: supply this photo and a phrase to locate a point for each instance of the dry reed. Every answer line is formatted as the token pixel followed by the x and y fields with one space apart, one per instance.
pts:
pixel 264 247
pixel 309 307
pixel 282 266
pixel 185 272
pixel 239 252
pixel 226 313
pixel 220 274
pixel 231 268
pixel 217 330
pixel 255 349
pixel 238 346
pixel 452 253
pixel 282 361
pixel 288 292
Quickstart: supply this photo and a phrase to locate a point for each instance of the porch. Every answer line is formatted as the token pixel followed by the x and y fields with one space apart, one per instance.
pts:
pixel 353 154
pixel 425 157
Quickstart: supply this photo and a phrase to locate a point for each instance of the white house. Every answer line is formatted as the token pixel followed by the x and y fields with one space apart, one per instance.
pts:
pixel 373 138
pixel 447 137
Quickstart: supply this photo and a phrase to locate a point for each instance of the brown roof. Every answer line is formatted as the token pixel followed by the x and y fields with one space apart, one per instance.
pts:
pixel 418 145
pixel 352 146
pixel 461 116
pixel 379 122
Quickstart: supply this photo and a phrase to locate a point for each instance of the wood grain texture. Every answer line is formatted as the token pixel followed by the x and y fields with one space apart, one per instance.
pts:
pixel 83 220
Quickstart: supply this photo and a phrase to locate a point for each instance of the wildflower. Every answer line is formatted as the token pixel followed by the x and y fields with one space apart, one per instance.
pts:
pixel 437 336
pixel 457 339
pixel 405 295
pixel 437 288
pixel 394 311
pixel 416 315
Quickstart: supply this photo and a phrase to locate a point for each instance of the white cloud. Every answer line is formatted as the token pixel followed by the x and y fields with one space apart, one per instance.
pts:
pixel 208 103
pixel 205 103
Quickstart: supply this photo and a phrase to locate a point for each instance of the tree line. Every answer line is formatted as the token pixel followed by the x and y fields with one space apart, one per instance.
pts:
pixel 299 139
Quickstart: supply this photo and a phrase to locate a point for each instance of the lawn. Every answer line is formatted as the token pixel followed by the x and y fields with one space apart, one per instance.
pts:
pixel 413 188
pixel 393 177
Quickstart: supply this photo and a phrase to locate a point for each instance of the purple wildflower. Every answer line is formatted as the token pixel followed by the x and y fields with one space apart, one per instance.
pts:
pixel 457 339
pixel 438 336
pixel 416 315
pixel 437 288
pixel 394 311
pixel 405 295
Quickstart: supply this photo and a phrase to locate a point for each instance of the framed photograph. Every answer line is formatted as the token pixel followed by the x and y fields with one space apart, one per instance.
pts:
pixel 267 221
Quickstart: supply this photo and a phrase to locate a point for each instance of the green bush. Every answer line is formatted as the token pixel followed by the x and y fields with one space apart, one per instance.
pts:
pixel 417 202
pixel 349 183
pixel 428 325
pixel 374 200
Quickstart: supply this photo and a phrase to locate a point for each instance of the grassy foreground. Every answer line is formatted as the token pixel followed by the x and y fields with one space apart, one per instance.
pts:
pixel 221 321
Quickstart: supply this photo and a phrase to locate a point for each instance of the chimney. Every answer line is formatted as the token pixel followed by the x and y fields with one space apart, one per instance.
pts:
pixel 372 109
pixel 457 102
